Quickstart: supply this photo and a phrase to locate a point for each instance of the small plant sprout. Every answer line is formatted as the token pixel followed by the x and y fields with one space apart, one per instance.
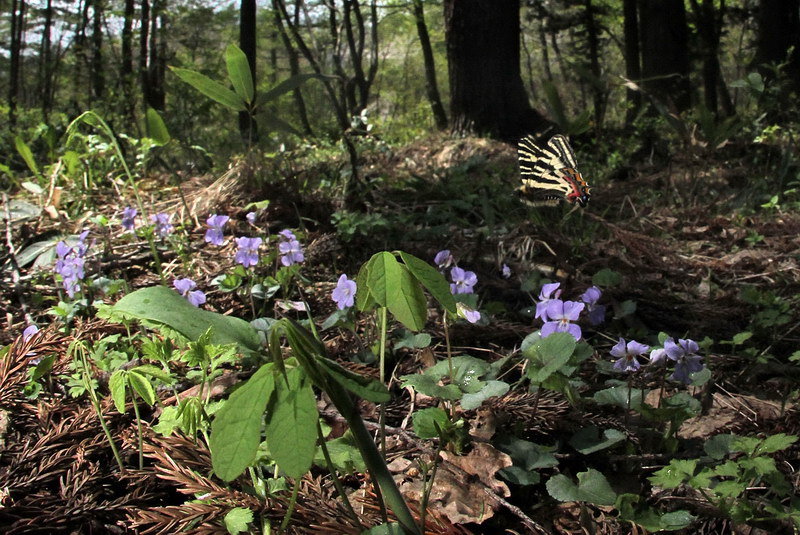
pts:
pixel 247 255
pixel 290 248
pixel 345 292
pixel 214 233
pixel 186 287
pixel 129 218
pixel 560 315
pixel 163 226
pixel 596 313
pixel 684 354
pixel 463 281
pixel 443 259
pixel 545 296
pixel 627 355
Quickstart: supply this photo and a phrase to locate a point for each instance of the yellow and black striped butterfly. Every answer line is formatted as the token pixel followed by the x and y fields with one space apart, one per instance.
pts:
pixel 550 175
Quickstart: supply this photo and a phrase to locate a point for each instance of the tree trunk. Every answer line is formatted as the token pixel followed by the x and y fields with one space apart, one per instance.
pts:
pixel 431 86
pixel 593 40
pixel 97 72
pixel 247 42
pixel 709 27
pixel 294 69
pixel 144 39
pixel 156 49
pixel 487 96
pixel 633 69
pixel 665 52
pixel 45 63
pixel 778 32
pixel 17 17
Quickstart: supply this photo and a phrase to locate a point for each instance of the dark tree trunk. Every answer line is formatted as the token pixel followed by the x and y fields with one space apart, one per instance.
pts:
pixel 294 69
pixel 46 63
pixel 247 42
pixel 156 49
pixel 126 64
pixel 593 41
pixel 709 26
pixel 633 69
pixel 97 73
pixel 17 18
pixel 778 31
pixel 487 96
pixel 431 86
pixel 144 39
pixel 665 52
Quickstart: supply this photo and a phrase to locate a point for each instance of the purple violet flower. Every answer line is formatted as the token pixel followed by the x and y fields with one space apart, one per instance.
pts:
pixel 469 314
pixel 596 313
pixel 345 292
pixel 505 271
pixel 70 263
pixel 463 281
pixel 247 255
pixel 287 235
pixel 163 227
pixel 545 296
pixel 684 353
pixel 29 331
pixel 186 287
pixel 560 316
pixel 128 218
pixel 443 259
pixel 214 233
pixel 251 218
pixel 627 355
pixel 292 251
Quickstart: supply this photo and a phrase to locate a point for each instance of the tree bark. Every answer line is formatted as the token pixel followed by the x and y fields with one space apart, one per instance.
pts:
pixel 487 96
pixel 709 27
pixel 294 69
pixel 665 51
pixel 247 42
pixel 593 41
pixel 46 63
pixel 17 18
pixel 778 32
pixel 633 69
pixel 431 86
pixel 97 72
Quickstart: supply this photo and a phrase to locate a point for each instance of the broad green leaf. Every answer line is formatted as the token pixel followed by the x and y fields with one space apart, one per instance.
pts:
pixel 155 372
pixel 719 446
pixel 676 520
pixel 425 384
pixel 520 476
pixel 364 299
pixel 589 440
pixel 392 528
pixel 211 89
pixel 548 355
pixel 426 421
pixel 360 385
pixel 142 386
pixel 344 453
pixel 618 396
pixel 376 276
pixel 163 305
pixel 413 341
pixel 606 277
pixel 490 389
pixel 19 209
pixel 236 429
pixel 116 384
pixel 237 519
pixel 528 455
pixel 156 129
pixel 742 337
pixel 431 279
pixel 43 368
pixel 562 488
pixel 593 487
pixel 292 424
pixel 25 151
pixel 239 72
pixel 404 297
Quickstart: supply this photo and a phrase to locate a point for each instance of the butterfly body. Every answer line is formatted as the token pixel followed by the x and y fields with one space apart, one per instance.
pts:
pixel 550 175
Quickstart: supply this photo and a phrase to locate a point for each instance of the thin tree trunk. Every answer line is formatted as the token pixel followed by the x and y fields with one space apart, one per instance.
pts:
pixel 144 39
pixel 294 69
pixel 247 42
pixel 17 11
pixel 598 95
pixel 98 73
pixel 633 69
pixel 45 62
pixel 431 86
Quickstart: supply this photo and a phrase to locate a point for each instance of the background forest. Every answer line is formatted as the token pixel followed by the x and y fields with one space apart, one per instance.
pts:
pixel 266 267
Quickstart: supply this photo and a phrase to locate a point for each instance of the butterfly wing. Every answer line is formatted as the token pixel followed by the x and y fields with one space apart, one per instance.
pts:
pixel 560 145
pixel 548 174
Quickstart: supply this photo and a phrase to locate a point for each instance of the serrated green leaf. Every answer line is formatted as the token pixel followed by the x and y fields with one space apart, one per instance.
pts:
pixel 156 129
pixel 490 389
pixel 142 386
pixel 728 469
pixel 431 279
pixel 236 429
pixel 116 384
pixel 675 473
pixel 239 72
pixel 729 489
pixel 426 420
pixel 237 519
pixel 211 89
pixel 292 424
pixel 777 442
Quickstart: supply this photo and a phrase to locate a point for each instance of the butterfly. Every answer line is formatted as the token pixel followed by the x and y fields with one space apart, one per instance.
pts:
pixel 550 175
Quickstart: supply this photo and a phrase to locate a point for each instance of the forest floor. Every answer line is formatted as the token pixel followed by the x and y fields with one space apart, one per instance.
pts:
pixel 694 267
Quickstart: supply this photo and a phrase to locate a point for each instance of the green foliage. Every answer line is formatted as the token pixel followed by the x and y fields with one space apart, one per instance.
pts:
pixel 592 487
pixel 237 519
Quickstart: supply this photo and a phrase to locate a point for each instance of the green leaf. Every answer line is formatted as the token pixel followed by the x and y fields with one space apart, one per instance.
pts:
pixel 592 487
pixel 547 355
pixel 142 386
pixel 432 280
pixel 116 384
pixel 19 209
pixel 155 372
pixel 742 337
pixel 239 72
pixel 25 151
pixel 404 297
pixel 364 298
pixel 562 488
pixel 589 440
pixel 719 446
pixel 344 453
pixel 162 305
pixel 413 341
pixel 292 424
pixel 156 129
pixel 777 442
pixel 528 455
pixel 490 389
pixel 520 476
pixel 675 473
pixel 237 519
pixel 426 420
pixel 360 385
pixel 211 89
pixel 606 277
pixel 236 429
pixel 43 368
pixel 618 396
pixel 376 276
pixel 428 385
pixel 392 528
